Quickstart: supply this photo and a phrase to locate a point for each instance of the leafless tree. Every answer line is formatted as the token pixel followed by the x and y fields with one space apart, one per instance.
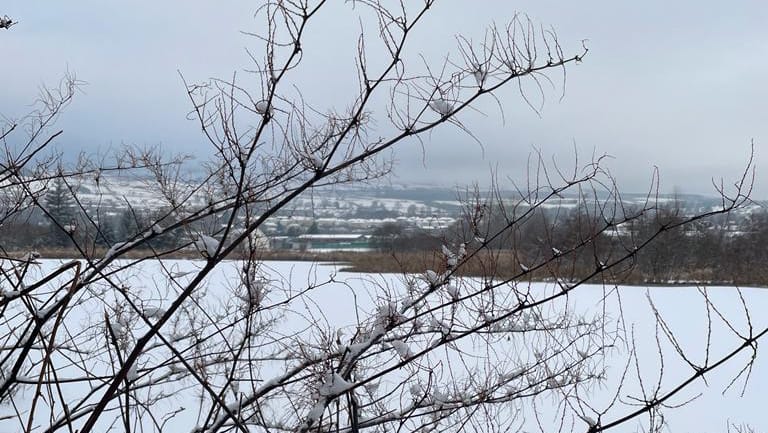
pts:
pixel 115 337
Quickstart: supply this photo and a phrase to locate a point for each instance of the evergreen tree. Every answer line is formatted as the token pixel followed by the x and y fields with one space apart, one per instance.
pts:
pixel 127 225
pixel 60 205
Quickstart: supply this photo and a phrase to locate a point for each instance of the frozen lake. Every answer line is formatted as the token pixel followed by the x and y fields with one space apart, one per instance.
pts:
pixel 306 307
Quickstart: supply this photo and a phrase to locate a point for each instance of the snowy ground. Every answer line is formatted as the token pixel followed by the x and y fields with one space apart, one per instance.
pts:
pixel 340 304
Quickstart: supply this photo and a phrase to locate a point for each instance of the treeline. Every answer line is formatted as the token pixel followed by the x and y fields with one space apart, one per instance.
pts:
pixel 33 232
pixel 60 222
pixel 729 249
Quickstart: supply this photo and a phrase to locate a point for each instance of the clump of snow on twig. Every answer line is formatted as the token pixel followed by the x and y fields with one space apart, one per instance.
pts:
pixel 6 22
pixel 433 278
pixel 453 291
pixel 479 73
pixel 7 295
pixel 401 348
pixel 206 245
pixel 263 107
pixel 133 373
pixel 441 106
pixel 153 312
pixel 333 385
pixel 117 329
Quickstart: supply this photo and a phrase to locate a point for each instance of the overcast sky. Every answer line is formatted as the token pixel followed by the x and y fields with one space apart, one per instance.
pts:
pixel 679 85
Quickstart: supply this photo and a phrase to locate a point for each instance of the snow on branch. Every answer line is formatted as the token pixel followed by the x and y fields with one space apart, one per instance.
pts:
pixel 6 22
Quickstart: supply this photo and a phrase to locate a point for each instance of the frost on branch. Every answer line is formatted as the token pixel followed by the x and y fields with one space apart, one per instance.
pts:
pixel 133 373
pixel 441 106
pixel 453 291
pixel 114 249
pixel 117 329
pixel 121 247
pixel 451 258
pixel 314 415
pixel 7 295
pixel 480 74
pixel 254 289
pixel 433 278
pixel 333 385
pixel 6 22
pixel 440 326
pixel 589 420
pixel 153 312
pixel 206 246
pixel 263 107
pixel 312 160
pixel 402 349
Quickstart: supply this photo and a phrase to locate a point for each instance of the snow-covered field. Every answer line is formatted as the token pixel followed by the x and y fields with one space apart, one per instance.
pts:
pixel 339 307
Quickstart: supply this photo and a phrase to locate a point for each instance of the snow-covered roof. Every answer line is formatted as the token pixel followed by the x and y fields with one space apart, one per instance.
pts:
pixel 331 236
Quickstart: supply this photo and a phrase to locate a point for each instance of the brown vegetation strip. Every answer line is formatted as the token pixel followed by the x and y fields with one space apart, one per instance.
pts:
pixel 491 264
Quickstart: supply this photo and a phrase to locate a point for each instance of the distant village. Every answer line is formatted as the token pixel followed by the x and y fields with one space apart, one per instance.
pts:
pixel 340 219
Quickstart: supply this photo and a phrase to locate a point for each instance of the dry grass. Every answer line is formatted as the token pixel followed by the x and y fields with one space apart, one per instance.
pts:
pixel 491 264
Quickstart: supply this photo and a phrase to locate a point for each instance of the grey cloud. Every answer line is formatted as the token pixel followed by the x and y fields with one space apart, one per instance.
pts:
pixel 678 84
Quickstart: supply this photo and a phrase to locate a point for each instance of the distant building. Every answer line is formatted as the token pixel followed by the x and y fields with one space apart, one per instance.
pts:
pixel 331 242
